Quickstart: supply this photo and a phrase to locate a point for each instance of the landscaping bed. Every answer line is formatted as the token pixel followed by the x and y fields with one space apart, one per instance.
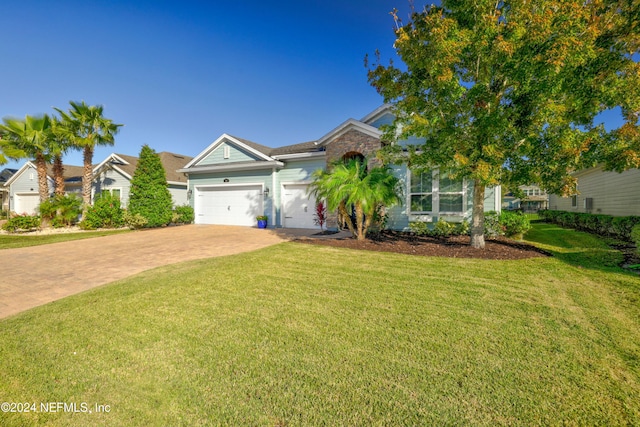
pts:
pixel 452 247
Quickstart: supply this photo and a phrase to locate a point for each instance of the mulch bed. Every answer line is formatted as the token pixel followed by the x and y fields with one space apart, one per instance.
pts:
pixel 452 247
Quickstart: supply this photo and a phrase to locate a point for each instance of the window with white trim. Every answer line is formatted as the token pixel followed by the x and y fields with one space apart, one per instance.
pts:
pixel 451 192
pixel 431 191
pixel 421 192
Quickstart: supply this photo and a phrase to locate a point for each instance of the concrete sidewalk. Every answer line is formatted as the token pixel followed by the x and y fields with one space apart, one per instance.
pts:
pixel 37 275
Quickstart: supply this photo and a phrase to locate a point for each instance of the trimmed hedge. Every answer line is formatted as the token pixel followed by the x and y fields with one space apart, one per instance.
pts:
pixel 618 227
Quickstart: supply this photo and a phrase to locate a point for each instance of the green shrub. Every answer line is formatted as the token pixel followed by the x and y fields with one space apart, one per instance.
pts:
pixel 134 221
pixel 462 228
pixel 62 211
pixel 105 213
pixel 183 215
pixel 635 237
pixel 22 222
pixel 514 223
pixel 618 227
pixel 442 229
pixel 492 227
pixel 149 195
pixel 420 228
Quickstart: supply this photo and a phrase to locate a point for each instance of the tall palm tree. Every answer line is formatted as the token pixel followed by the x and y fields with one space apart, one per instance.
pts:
pixel 352 184
pixel 88 128
pixel 30 138
pixel 58 147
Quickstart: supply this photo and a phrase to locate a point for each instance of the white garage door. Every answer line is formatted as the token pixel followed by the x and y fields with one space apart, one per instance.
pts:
pixel 298 206
pixel 26 203
pixel 228 205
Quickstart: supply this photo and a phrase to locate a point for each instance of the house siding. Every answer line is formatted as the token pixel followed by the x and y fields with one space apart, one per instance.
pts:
pixel 25 183
pixel 178 194
pixel 112 179
pixel 613 193
pixel 235 155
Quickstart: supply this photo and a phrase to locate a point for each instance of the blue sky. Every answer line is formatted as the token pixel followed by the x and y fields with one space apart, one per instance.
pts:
pixel 179 74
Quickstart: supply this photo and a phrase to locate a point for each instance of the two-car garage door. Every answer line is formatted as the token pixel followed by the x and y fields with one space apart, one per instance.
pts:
pixel 228 205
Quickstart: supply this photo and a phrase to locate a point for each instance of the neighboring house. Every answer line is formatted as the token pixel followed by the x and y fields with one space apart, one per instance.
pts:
pixel 534 199
pixel 603 192
pixel 23 186
pixel 5 174
pixel 234 180
pixel 115 172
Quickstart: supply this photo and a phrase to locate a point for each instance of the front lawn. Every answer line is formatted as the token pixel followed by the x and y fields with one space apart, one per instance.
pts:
pixel 308 335
pixel 10 241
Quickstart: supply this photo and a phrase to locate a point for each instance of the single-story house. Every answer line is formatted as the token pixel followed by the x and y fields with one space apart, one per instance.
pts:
pixel 233 180
pixel 534 199
pixel 5 175
pixel 23 186
pixel 114 174
pixel 602 192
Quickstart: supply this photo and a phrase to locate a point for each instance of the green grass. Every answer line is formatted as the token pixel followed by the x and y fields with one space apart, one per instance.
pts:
pixel 11 241
pixel 307 335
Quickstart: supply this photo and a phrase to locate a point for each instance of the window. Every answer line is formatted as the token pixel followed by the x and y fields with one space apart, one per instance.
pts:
pixel 421 192
pixel 429 192
pixel 115 192
pixel 226 151
pixel 574 201
pixel 451 194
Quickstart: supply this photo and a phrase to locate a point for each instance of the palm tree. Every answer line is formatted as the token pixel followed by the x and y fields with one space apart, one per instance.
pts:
pixel 30 138
pixel 352 184
pixel 88 128
pixel 58 147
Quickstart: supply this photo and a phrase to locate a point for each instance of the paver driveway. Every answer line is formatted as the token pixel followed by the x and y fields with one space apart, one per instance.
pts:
pixel 40 274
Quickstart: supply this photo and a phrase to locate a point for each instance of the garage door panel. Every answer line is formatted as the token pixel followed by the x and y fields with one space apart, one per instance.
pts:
pixel 298 206
pixel 228 206
pixel 26 203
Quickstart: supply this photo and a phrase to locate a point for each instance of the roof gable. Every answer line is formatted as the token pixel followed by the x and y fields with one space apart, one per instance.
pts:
pixel 347 126
pixel 242 149
pixel 126 165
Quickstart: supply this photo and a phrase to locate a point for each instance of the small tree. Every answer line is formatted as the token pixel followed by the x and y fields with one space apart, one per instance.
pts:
pixel 149 194
pixel 352 184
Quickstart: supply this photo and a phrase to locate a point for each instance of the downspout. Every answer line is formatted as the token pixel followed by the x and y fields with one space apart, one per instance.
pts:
pixel 273 196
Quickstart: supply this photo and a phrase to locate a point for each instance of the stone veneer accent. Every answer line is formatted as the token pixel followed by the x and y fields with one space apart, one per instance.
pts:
pixel 353 141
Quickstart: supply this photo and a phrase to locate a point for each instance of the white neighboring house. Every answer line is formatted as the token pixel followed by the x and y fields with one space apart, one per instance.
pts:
pixel 602 192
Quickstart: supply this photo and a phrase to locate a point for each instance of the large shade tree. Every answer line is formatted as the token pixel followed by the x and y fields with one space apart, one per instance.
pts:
pixel 350 183
pixel 30 138
pixel 87 128
pixel 510 91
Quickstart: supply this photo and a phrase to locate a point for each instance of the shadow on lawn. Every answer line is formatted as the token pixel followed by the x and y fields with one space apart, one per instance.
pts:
pixel 582 250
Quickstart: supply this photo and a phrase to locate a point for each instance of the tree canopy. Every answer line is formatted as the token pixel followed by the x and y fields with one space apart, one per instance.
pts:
pixel 509 91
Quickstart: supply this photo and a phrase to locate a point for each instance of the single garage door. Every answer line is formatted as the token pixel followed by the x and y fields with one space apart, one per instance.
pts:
pixel 298 206
pixel 238 205
pixel 26 203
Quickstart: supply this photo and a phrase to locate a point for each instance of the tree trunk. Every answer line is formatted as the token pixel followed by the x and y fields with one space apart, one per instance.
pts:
pixel 477 216
pixel 347 218
pixel 87 179
pixel 58 175
pixel 43 185
pixel 360 222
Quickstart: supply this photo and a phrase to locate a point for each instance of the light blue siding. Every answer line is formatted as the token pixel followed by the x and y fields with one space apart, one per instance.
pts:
pixel 235 155
pixel 178 194
pixel 110 179
pixel 27 182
